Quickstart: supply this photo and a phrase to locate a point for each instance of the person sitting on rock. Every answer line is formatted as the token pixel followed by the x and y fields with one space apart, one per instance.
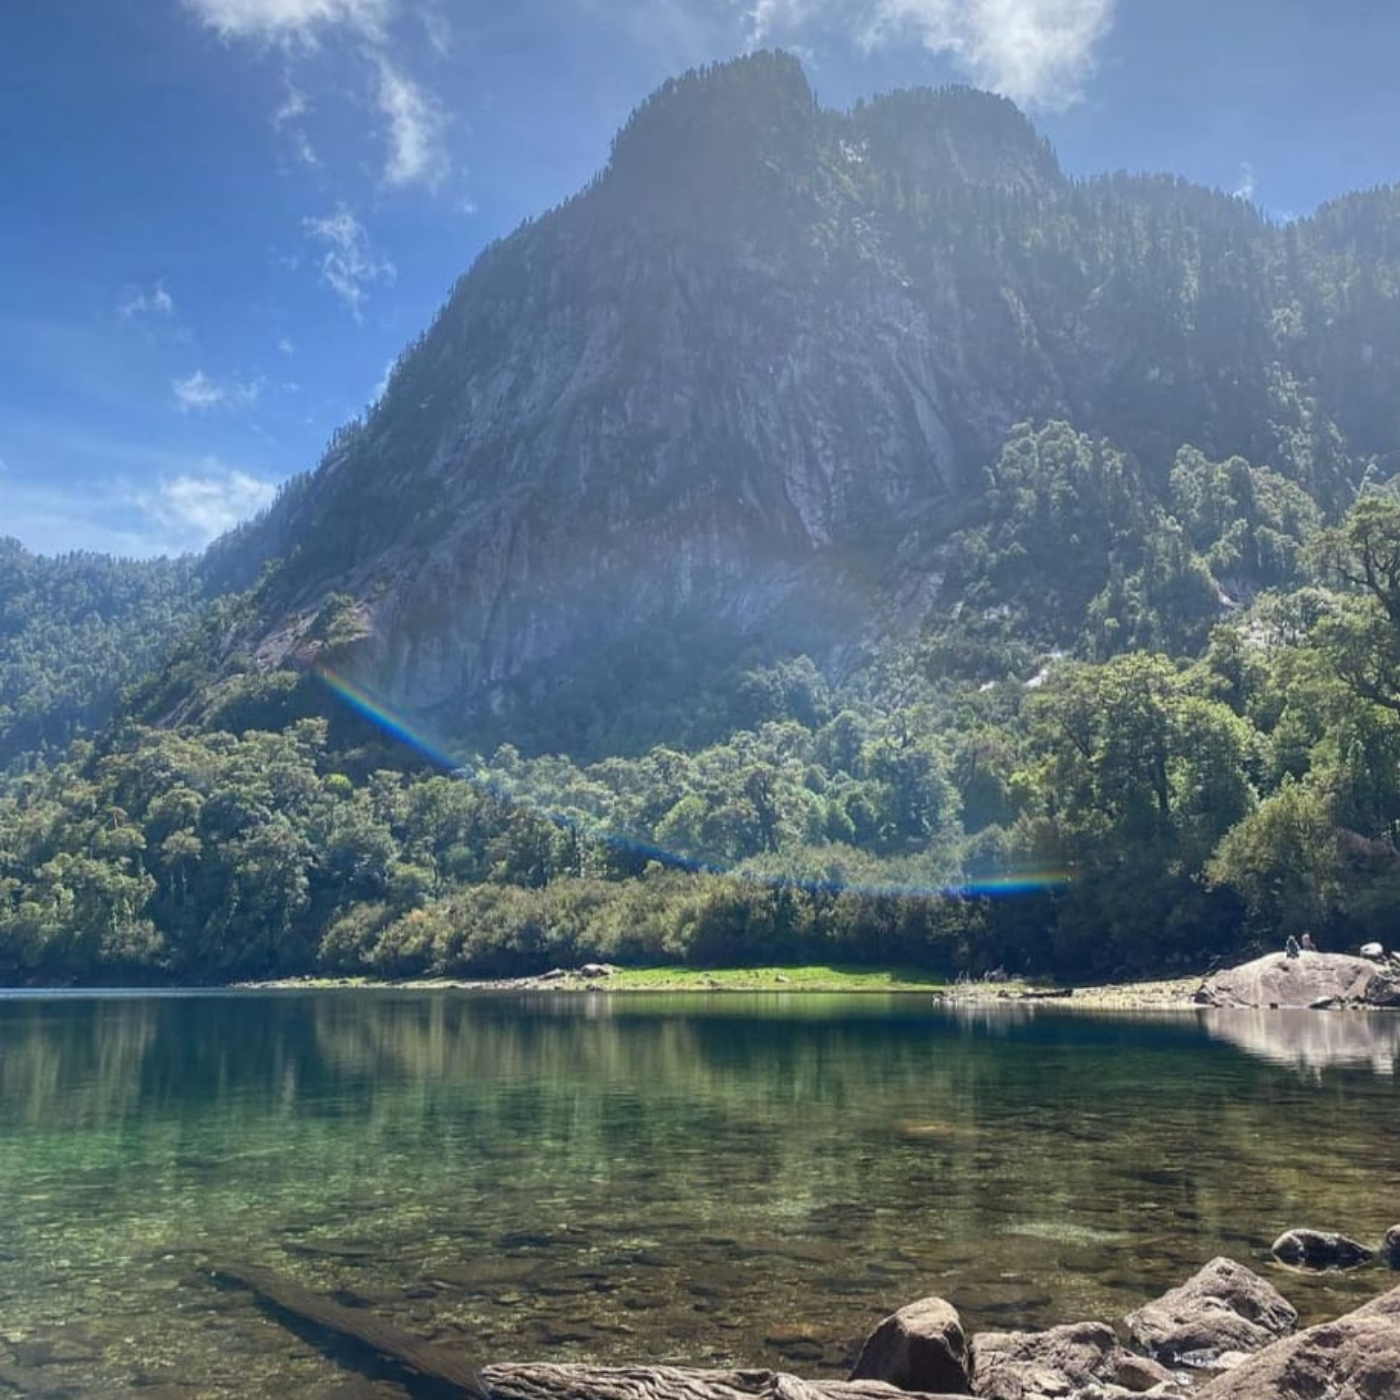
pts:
pixel 1307 943
pixel 1290 949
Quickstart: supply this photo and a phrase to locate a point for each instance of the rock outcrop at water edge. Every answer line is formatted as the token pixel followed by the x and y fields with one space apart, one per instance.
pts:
pixel 921 1347
pixel 1078 1358
pixel 1223 1308
pixel 1357 1357
pixel 1320 980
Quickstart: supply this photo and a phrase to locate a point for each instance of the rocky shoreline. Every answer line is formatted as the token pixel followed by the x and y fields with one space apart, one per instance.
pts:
pixel 1224 1334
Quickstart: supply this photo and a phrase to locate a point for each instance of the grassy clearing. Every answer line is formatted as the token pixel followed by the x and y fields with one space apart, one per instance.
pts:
pixel 770 979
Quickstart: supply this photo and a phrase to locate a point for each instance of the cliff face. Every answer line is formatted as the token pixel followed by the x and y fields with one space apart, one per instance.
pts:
pixel 739 387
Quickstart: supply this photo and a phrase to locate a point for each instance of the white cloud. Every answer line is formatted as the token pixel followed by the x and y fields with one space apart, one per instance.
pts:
pixel 197 392
pixel 1037 52
pixel 137 301
pixel 349 263
pixel 287 121
pixel 197 508
pixel 415 126
pixel 438 28
pixel 1245 189
pixel 285 346
pixel 198 500
pixel 284 21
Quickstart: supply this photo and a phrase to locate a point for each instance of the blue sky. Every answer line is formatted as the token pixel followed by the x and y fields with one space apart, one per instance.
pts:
pixel 223 218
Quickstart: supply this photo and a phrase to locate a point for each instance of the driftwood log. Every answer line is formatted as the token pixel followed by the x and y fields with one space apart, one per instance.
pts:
pixel 528 1380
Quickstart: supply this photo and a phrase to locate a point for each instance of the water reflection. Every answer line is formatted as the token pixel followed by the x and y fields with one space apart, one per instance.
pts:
pixel 714 1180
pixel 1311 1040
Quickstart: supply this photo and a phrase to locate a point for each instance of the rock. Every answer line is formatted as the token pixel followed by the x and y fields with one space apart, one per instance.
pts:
pixel 1320 1249
pixel 1225 1307
pixel 592 970
pixel 921 1347
pixel 1390 1248
pixel 1357 1357
pixel 1080 1359
pixel 1372 951
pixel 1316 979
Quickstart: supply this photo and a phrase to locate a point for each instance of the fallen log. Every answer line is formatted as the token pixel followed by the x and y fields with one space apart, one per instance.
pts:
pixel 536 1380
pixel 357 1324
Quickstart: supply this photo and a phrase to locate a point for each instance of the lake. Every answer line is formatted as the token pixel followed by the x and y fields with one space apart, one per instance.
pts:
pixel 706 1180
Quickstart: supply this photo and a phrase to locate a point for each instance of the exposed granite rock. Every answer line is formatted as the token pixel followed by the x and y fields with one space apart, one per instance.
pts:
pixel 1079 1359
pixel 921 1347
pixel 1224 1307
pixel 1357 1357
pixel 1309 980
pixel 1320 1249
pixel 1390 1247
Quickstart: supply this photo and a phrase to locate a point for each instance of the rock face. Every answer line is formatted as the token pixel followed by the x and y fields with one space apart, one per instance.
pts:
pixel 1063 1361
pixel 1320 1249
pixel 1225 1307
pixel 739 388
pixel 1357 1357
pixel 1310 980
pixel 921 1347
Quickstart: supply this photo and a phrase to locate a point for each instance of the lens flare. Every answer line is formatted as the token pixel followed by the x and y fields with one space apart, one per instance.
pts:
pixel 379 712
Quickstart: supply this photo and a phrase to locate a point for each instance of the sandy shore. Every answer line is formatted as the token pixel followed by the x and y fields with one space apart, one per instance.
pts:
pixel 1167 994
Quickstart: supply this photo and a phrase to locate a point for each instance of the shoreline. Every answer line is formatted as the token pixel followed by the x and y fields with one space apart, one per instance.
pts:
pixel 1160 994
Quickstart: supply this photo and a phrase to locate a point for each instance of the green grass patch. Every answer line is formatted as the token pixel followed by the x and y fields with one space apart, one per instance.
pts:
pixel 772 979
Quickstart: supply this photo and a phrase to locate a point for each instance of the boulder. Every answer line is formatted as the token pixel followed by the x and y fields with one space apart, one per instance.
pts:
pixel 1312 980
pixel 1373 952
pixel 1357 1357
pixel 1224 1307
pixel 1390 1247
pixel 1081 1358
pixel 921 1347
pixel 1320 1249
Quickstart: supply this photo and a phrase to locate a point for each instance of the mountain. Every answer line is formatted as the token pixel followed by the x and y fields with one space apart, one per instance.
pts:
pixel 738 391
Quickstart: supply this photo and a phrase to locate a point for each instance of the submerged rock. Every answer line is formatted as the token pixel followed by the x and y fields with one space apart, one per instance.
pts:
pixel 1320 1249
pixel 1309 980
pixel 1081 1358
pixel 1224 1307
pixel 921 1347
pixel 1357 1357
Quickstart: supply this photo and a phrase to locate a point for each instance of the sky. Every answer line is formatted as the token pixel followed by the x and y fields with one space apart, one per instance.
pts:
pixel 222 219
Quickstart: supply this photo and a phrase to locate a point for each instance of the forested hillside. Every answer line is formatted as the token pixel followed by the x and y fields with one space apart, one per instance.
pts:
pixel 74 630
pixel 831 535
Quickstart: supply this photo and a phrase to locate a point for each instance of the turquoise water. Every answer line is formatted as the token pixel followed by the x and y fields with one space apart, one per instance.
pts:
pixel 700 1180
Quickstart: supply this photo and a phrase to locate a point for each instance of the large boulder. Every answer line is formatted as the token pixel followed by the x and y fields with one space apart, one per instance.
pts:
pixel 1225 1307
pixel 1320 1249
pixel 921 1347
pixel 1390 1247
pixel 1357 1357
pixel 1078 1359
pixel 1311 979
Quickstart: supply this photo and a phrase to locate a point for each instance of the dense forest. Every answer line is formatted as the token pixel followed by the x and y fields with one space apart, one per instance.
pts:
pixel 853 540
pixel 1176 740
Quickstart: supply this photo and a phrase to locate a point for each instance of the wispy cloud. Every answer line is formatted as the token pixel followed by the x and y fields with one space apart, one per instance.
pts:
pixel 1245 189
pixel 285 346
pixel 197 392
pixel 288 121
pixel 1038 52
pixel 136 302
pixel 197 501
pixel 196 507
pixel 289 21
pixel 414 122
pixel 349 262
pixel 415 126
